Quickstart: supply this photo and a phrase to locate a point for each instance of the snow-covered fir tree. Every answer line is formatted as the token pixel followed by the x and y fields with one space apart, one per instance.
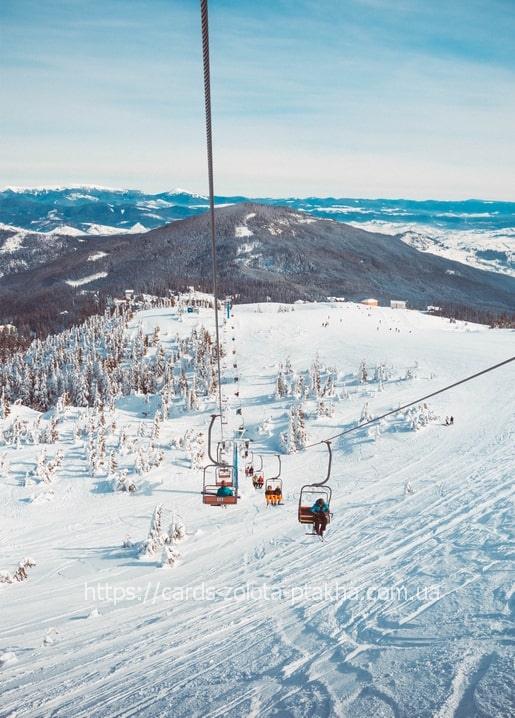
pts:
pixel 156 536
pixel 5 408
pixel 294 438
pixel 362 373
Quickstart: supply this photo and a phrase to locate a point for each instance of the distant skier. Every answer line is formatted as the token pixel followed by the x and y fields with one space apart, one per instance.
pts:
pixel 320 511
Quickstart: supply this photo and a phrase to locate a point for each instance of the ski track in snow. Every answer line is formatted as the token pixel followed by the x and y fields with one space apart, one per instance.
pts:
pixel 406 611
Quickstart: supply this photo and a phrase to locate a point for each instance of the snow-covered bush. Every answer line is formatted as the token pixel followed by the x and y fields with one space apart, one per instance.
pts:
pixel 122 482
pixel 21 572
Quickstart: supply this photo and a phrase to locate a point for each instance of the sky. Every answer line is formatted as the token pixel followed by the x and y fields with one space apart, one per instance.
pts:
pixel 341 98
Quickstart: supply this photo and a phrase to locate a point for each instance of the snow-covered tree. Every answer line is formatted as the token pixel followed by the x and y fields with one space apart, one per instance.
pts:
pixel 294 438
pixel 156 537
pixel 362 373
pixel 5 408
pixel 365 414
pixel 113 463
pixel 123 482
pixel 316 383
pixel 280 387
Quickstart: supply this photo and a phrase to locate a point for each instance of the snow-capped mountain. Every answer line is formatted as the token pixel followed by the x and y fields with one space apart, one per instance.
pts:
pixel 84 208
pixel 481 233
pixel 263 253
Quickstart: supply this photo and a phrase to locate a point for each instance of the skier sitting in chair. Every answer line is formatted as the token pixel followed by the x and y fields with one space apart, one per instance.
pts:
pixel 225 490
pixel 320 511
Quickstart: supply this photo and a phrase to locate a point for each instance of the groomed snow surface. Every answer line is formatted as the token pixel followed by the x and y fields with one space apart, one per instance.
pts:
pixel 407 609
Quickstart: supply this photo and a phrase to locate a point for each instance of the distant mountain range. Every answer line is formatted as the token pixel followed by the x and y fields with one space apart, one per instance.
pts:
pixel 100 210
pixel 263 252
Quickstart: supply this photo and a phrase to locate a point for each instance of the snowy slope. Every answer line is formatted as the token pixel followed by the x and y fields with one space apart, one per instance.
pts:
pixel 491 249
pixel 407 610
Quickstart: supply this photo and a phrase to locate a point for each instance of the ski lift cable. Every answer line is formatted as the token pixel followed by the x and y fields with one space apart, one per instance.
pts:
pixel 412 403
pixel 209 142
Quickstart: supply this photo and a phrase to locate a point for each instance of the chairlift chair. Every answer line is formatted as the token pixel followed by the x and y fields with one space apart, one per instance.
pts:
pixel 212 483
pixel 221 451
pixel 274 487
pixel 309 493
pixel 258 477
pixel 258 480
pixel 211 498
pixel 274 492
pixel 219 473
pixel 224 474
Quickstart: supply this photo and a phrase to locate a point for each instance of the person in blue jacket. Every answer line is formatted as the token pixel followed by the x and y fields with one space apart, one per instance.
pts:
pixel 225 490
pixel 320 511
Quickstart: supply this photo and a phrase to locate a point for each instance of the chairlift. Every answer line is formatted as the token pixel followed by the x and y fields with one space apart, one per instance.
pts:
pixel 309 493
pixel 273 492
pixel 258 480
pixel 258 477
pixel 221 452
pixel 245 451
pixel 220 480
pixel 274 488
pixel 224 475
pixel 212 486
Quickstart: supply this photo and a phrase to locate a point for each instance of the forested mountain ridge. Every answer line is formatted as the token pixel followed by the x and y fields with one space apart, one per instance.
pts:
pixel 263 252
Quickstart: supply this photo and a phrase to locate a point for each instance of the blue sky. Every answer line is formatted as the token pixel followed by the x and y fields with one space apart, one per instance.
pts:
pixel 343 98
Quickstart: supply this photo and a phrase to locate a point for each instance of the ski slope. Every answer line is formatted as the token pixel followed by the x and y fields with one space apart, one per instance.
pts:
pixel 408 608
